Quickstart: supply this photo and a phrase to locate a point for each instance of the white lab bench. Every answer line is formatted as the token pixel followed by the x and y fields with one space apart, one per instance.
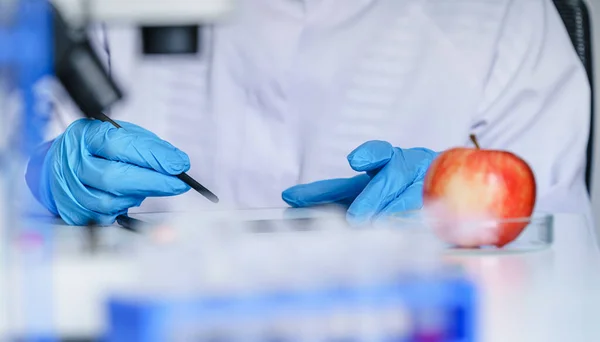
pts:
pixel 548 295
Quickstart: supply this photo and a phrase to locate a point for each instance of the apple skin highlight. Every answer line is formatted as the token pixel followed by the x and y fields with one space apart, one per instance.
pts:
pixel 473 183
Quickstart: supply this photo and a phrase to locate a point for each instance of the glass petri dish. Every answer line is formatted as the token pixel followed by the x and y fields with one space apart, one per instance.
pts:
pixel 537 235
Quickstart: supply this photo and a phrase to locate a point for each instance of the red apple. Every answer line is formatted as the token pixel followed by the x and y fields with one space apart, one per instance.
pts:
pixel 475 184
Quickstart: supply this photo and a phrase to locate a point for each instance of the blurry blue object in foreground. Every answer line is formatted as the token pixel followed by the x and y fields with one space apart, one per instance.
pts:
pixel 26 59
pixel 413 309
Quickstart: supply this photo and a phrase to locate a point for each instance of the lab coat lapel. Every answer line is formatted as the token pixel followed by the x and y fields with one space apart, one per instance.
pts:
pixel 389 88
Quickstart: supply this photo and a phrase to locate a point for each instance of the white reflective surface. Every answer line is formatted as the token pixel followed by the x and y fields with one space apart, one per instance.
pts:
pixel 548 295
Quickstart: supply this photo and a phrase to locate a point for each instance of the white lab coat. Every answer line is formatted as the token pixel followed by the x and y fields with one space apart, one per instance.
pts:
pixel 286 89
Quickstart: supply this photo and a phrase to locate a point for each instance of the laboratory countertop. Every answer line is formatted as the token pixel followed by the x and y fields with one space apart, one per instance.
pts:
pixel 545 295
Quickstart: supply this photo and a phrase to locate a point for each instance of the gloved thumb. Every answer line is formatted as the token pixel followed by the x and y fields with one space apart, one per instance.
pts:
pixel 371 156
pixel 340 191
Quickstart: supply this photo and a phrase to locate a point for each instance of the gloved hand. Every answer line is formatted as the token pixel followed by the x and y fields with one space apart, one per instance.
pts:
pixel 94 171
pixel 392 182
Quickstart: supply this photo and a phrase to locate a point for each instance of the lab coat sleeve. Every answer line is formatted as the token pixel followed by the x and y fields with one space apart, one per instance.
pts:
pixel 537 104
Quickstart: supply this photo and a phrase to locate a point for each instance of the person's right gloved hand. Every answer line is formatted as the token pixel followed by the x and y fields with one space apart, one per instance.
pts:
pixel 95 172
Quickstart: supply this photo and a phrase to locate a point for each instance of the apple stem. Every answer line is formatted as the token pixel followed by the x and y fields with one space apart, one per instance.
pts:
pixel 474 140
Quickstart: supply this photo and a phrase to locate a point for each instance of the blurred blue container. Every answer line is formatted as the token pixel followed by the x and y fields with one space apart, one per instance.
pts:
pixel 26 59
pixel 410 310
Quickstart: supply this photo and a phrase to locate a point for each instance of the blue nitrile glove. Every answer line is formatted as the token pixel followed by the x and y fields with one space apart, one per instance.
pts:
pixel 392 182
pixel 95 172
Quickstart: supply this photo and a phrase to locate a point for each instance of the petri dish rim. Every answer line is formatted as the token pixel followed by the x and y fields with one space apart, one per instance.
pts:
pixel 537 236
pixel 408 216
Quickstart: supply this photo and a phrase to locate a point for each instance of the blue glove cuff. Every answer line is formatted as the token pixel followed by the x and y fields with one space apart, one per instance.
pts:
pixel 36 177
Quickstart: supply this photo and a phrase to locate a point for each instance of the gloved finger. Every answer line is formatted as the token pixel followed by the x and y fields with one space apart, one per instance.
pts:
pixel 121 179
pixel 91 205
pixel 105 203
pixel 371 156
pixel 402 170
pixel 342 191
pixel 410 199
pixel 144 150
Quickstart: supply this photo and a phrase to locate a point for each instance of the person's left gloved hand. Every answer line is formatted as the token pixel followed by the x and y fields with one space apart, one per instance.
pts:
pixel 392 182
